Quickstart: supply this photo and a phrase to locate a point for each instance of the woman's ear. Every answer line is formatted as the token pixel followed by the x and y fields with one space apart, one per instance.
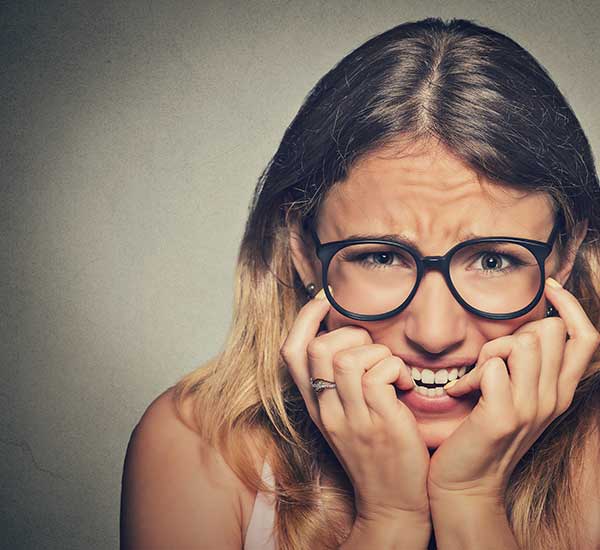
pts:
pixel 303 254
pixel 564 270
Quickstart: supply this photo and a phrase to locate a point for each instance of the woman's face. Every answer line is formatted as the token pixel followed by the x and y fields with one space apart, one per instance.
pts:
pixel 432 198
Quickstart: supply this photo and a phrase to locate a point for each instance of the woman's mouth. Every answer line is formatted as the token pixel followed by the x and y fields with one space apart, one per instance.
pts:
pixel 431 383
pixel 429 396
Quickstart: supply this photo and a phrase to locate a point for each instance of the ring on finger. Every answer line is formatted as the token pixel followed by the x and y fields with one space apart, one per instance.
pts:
pixel 320 384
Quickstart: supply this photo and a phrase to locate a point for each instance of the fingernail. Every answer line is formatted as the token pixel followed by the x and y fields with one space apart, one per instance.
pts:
pixel 553 283
pixel 450 384
pixel 321 294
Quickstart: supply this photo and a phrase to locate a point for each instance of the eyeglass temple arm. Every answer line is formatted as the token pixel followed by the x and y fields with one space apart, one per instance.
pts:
pixel 308 225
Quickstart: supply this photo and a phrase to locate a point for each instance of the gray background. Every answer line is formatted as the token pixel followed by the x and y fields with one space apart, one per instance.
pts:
pixel 132 135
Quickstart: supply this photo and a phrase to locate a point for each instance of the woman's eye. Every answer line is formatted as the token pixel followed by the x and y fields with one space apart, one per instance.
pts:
pixel 493 260
pixel 383 258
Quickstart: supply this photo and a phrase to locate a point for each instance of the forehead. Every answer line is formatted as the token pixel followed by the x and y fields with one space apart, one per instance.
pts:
pixel 429 195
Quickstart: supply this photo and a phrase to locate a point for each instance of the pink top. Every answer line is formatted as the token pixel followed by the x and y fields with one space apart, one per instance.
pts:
pixel 259 535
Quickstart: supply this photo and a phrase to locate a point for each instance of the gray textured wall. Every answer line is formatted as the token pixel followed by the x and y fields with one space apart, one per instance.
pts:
pixel 132 135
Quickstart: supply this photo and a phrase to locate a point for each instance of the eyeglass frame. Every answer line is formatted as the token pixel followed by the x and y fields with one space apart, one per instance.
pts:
pixel 540 249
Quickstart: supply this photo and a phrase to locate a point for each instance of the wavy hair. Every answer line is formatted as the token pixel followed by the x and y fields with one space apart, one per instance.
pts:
pixel 490 103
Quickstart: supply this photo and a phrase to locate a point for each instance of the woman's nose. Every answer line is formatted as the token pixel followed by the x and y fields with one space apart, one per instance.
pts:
pixel 435 321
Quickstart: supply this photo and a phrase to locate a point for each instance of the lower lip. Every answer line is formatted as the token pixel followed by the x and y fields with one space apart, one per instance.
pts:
pixel 438 404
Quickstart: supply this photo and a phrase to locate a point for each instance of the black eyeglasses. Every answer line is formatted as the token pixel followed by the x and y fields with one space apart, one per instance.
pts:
pixel 494 277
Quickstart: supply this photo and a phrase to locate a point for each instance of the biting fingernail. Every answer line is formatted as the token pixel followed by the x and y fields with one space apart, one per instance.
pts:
pixel 553 283
pixel 450 384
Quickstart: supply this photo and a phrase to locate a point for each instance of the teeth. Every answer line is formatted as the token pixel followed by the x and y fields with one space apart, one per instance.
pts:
pixel 427 376
pixel 441 376
pixel 430 392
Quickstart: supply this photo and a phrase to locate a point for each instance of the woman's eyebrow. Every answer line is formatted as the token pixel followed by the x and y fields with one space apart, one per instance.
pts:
pixel 403 239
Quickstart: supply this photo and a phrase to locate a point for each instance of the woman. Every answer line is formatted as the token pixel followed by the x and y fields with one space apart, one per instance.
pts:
pixel 444 390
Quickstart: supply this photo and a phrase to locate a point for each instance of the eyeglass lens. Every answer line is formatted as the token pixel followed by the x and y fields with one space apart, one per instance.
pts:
pixel 493 277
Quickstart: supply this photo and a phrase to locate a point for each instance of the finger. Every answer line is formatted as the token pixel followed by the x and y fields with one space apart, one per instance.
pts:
pixel 524 366
pixel 405 381
pixel 349 368
pixel 497 391
pixel 471 381
pixel 581 345
pixel 379 384
pixel 492 380
pixel 467 383
pixel 330 358
pixel 552 332
pixel 521 356
pixel 294 349
pixel 494 411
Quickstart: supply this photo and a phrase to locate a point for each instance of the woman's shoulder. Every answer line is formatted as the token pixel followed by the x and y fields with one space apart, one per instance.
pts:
pixel 177 490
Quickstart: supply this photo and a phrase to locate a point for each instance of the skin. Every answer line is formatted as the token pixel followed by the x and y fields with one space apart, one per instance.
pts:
pixel 455 465
pixel 525 377
pixel 433 198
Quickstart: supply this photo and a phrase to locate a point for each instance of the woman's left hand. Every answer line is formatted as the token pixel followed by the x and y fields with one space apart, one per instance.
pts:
pixel 526 379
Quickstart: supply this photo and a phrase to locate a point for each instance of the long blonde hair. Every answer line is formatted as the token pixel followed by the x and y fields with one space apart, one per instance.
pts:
pixel 453 81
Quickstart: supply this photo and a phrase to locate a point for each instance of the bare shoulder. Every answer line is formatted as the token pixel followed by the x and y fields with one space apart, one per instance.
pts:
pixel 177 491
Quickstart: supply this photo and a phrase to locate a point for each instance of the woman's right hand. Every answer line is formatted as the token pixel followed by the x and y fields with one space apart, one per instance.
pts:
pixel 373 434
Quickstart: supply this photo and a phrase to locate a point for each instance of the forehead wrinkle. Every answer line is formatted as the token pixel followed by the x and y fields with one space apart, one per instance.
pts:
pixel 427 242
pixel 397 215
pixel 412 197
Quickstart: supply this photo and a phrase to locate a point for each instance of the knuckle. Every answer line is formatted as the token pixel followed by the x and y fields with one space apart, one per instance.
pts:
pixel 363 334
pixel 486 350
pixel 491 363
pixel 368 382
pixel 486 346
pixel 285 353
pixel 316 348
pixel 383 348
pixel 528 340
pixel 494 363
pixel 558 324
pixel 593 337
pixel 360 333
pixel 343 363
pixel 557 321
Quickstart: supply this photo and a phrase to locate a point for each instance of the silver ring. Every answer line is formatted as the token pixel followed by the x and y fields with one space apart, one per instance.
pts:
pixel 320 384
